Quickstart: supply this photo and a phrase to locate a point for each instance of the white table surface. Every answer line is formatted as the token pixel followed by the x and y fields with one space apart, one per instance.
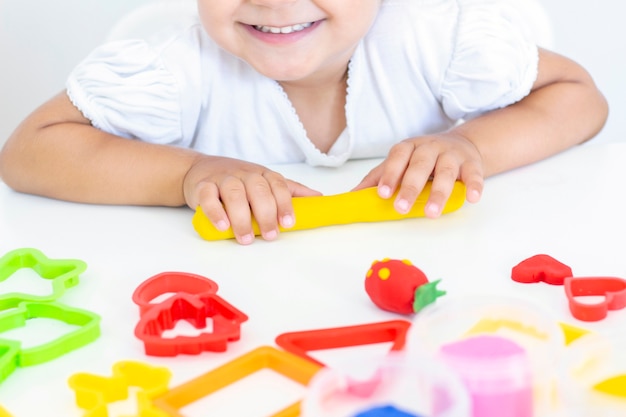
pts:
pixel 570 206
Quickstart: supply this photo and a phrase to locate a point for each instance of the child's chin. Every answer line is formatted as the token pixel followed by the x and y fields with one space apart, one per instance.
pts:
pixel 283 73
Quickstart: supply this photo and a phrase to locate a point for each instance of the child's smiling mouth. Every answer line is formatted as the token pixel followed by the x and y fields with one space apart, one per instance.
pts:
pixel 284 29
pixel 282 35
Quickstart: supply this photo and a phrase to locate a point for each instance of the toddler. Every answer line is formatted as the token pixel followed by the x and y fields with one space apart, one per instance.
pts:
pixel 443 90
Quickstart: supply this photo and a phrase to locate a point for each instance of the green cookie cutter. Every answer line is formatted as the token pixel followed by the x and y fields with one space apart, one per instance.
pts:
pixel 13 355
pixel 62 274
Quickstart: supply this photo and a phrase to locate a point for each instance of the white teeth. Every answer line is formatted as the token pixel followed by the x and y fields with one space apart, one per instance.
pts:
pixel 284 29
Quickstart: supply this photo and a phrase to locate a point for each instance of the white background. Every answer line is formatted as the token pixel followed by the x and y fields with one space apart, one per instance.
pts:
pixel 41 40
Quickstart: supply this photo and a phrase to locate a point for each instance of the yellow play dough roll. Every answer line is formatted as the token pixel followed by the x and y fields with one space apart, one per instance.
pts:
pixel 352 207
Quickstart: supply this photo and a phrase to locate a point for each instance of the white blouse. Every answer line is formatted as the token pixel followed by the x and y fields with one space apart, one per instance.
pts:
pixel 424 65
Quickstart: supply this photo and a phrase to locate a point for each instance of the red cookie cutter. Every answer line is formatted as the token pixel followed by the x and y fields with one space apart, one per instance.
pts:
pixel 171 283
pixel 611 288
pixel 300 343
pixel 194 300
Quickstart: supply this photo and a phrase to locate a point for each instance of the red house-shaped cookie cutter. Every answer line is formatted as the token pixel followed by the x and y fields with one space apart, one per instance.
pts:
pixel 194 299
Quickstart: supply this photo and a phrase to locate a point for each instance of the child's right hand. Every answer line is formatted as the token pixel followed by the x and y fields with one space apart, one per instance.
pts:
pixel 230 192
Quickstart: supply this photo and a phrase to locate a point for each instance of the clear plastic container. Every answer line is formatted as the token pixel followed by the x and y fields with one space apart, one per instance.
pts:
pixel 416 386
pixel 506 351
pixel 594 375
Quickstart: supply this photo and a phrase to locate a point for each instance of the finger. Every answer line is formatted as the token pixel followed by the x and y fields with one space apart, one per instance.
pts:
pixel 415 177
pixel 473 178
pixel 282 198
pixel 263 204
pixel 286 214
pixel 300 190
pixel 233 195
pixel 209 201
pixel 445 175
pixel 394 168
pixel 372 179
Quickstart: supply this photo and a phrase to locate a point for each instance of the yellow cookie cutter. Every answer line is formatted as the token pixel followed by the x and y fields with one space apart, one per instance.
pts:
pixel 363 206
pixel 4 413
pixel 265 357
pixel 94 392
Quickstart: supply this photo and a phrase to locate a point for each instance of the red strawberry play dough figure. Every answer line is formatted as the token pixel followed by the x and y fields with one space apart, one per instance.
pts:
pixel 399 286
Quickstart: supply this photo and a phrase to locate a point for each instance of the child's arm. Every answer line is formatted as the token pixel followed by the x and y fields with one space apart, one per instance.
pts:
pixel 56 152
pixel 563 109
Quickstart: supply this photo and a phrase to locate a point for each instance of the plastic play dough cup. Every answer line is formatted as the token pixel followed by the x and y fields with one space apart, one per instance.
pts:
pixel 505 350
pixel 594 368
pixel 497 373
pixel 419 386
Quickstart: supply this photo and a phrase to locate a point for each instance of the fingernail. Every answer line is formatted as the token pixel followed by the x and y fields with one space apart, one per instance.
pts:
pixel 402 206
pixel 474 196
pixel 246 239
pixel 221 225
pixel 384 191
pixel 287 221
pixel 432 210
pixel 271 235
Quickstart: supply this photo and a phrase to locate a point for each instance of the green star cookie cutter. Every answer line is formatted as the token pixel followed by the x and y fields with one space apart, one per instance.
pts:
pixel 12 355
pixel 62 274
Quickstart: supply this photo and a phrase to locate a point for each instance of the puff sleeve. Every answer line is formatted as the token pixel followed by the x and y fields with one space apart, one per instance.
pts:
pixel 124 88
pixel 493 61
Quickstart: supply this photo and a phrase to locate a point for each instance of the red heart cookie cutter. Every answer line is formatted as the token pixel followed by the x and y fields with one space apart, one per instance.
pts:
pixel 613 290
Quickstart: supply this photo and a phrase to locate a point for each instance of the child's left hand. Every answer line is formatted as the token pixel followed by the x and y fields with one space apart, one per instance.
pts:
pixel 444 158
